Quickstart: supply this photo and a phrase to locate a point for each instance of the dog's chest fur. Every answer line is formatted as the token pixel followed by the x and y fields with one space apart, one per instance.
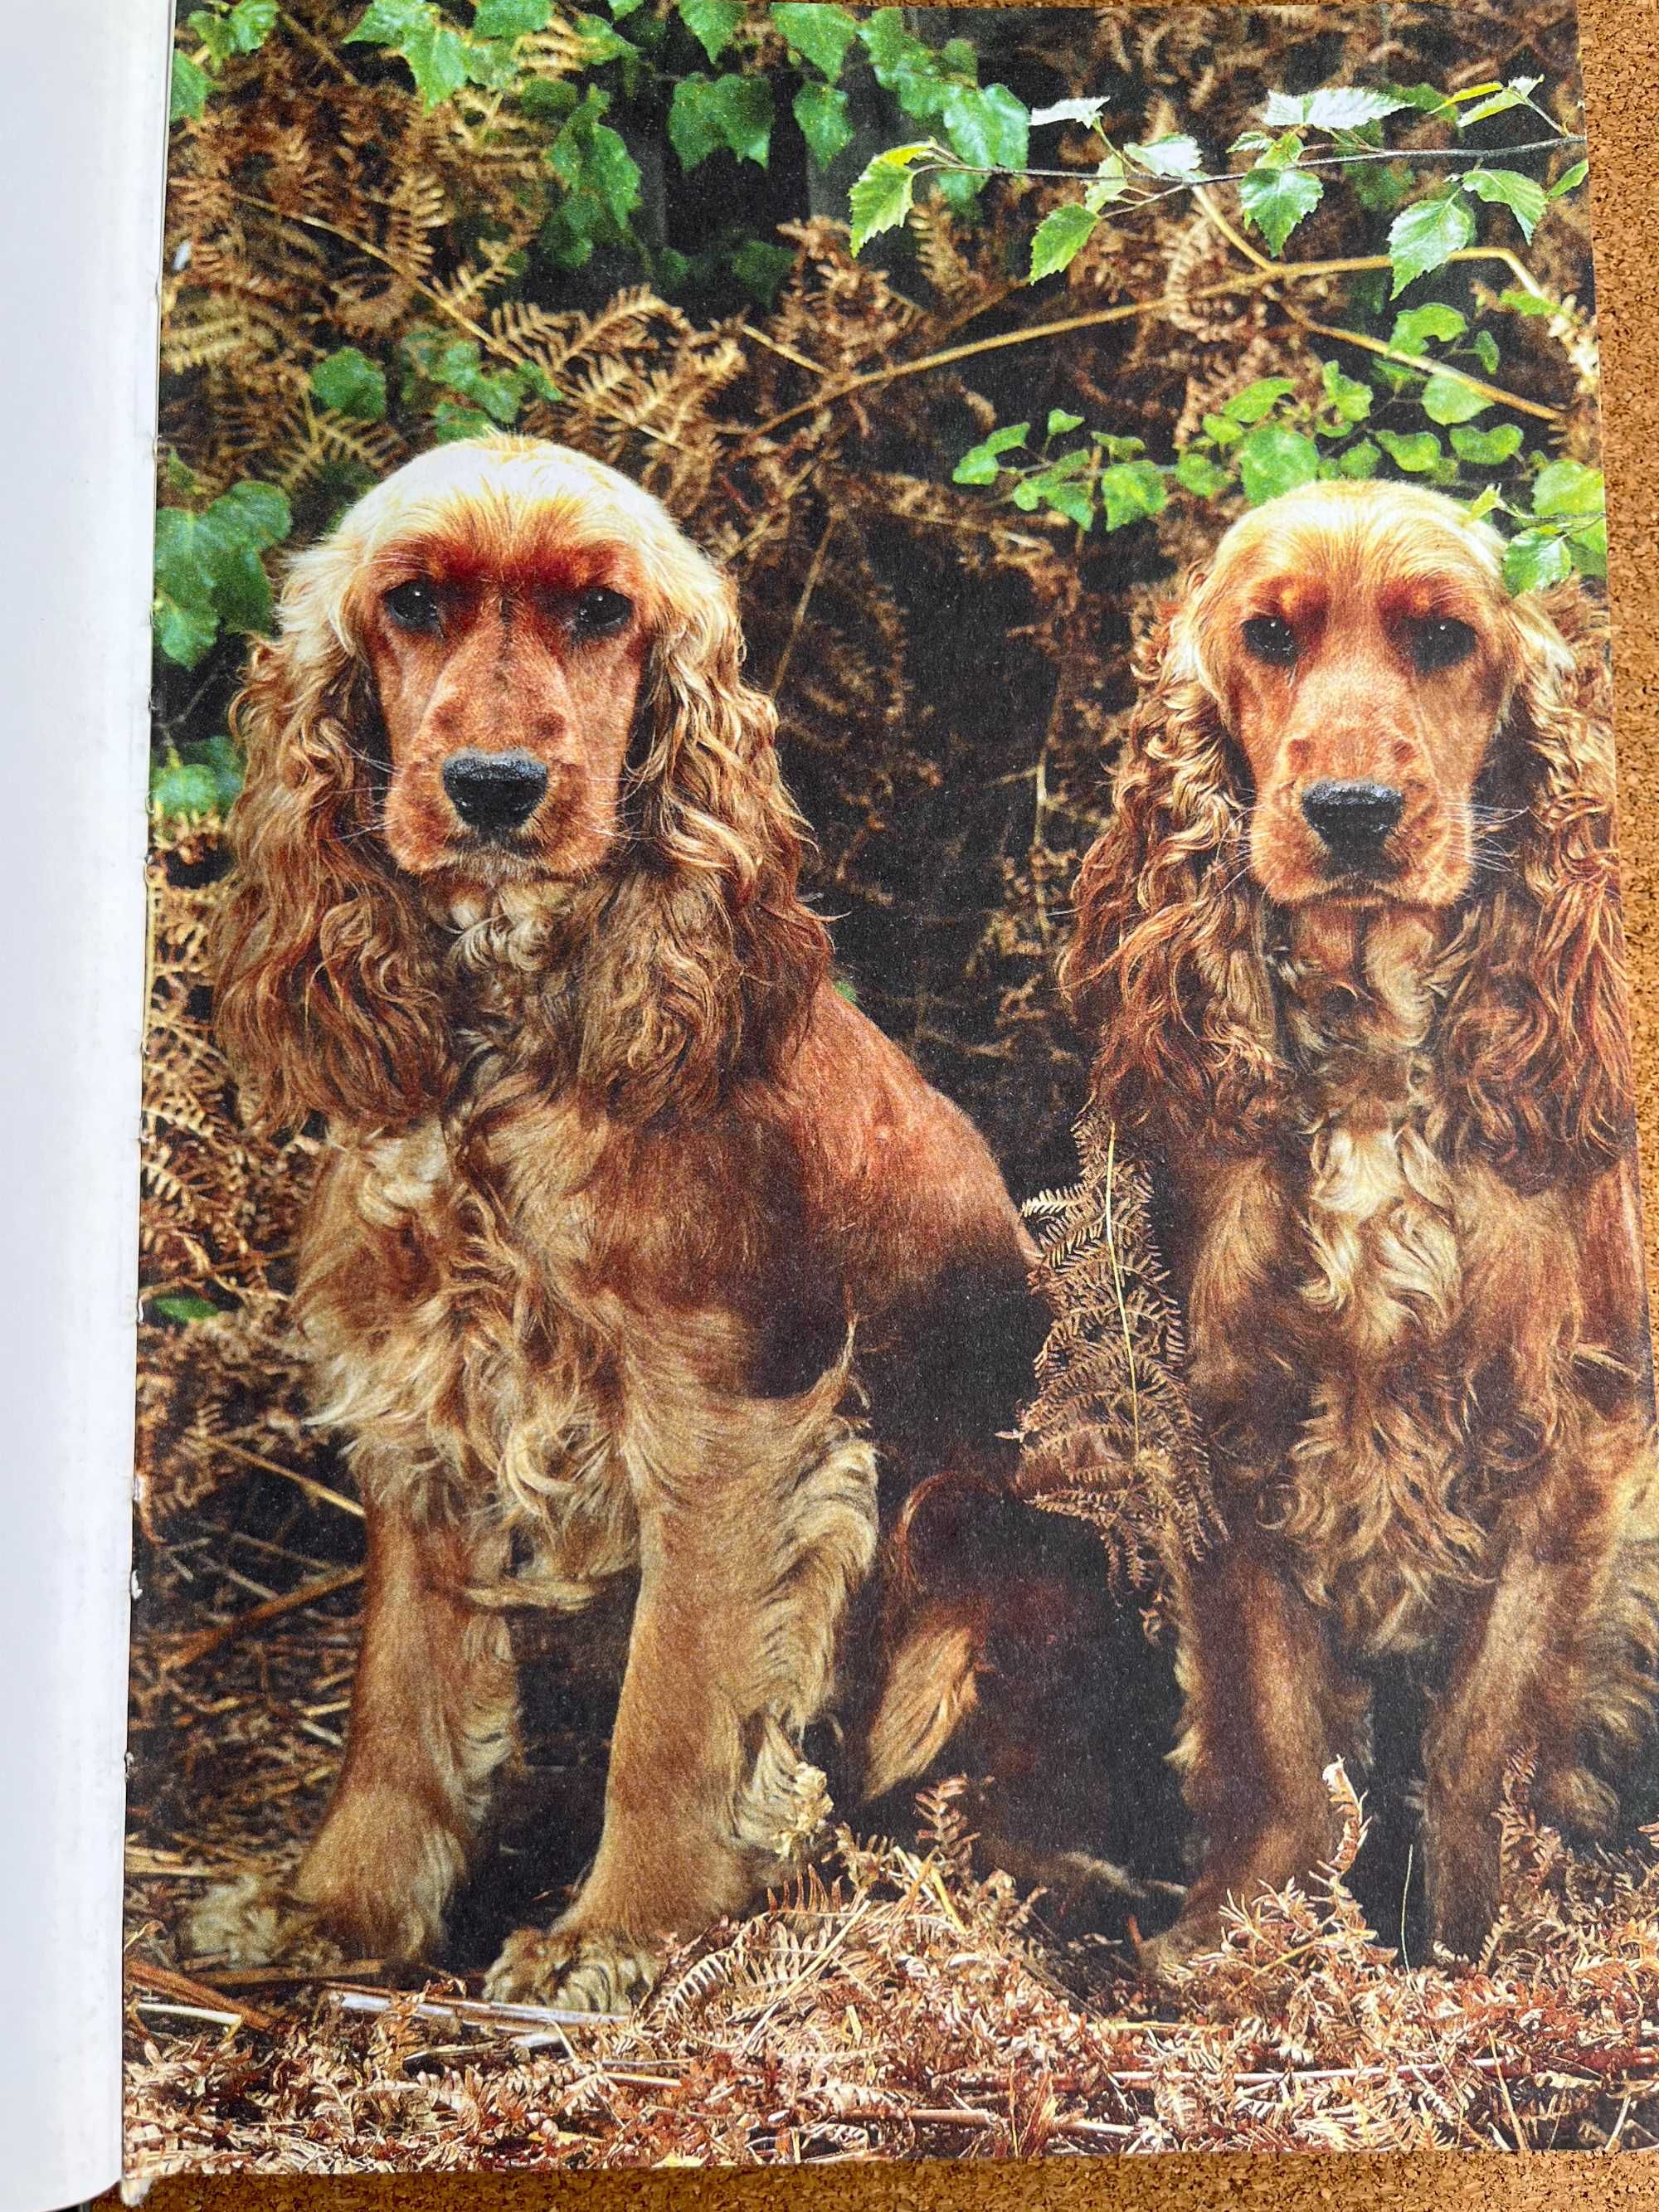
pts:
pixel 1353 1293
pixel 460 1341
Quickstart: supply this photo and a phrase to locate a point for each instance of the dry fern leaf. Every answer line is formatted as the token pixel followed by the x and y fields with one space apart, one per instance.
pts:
pixel 1111 1439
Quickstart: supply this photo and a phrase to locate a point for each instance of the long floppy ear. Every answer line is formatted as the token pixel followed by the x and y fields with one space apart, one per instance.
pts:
pixel 326 1000
pixel 1536 1036
pixel 708 961
pixel 1166 975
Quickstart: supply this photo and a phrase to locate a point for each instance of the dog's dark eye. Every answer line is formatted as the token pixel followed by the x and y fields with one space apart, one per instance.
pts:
pixel 1440 642
pixel 1271 639
pixel 413 605
pixel 599 612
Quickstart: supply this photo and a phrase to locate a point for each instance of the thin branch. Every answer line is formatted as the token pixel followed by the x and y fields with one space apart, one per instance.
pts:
pixel 163 1982
pixel 801 605
pixel 1473 154
pixel 1495 392
pixel 1243 281
pixel 207 1640
pixel 318 1493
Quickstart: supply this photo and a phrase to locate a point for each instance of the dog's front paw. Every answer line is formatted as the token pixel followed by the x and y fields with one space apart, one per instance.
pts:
pixel 252 1922
pixel 573 1969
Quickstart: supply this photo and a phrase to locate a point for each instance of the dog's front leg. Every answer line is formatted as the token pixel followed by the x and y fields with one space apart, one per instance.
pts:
pixel 758 1519
pixel 432 1714
pixel 1516 1687
pixel 1268 1707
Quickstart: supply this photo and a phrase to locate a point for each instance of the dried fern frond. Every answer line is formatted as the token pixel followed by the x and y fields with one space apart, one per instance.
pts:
pixel 1111 1439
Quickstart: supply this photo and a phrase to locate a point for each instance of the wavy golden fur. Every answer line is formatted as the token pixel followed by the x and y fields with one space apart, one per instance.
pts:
pixel 614 1178
pixel 1351 959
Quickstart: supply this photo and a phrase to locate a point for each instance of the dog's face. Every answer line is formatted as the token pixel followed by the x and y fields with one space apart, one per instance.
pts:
pixel 508 679
pixel 1360 642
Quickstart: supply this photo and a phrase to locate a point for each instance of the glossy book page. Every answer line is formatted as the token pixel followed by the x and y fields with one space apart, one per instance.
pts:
pixel 895 1395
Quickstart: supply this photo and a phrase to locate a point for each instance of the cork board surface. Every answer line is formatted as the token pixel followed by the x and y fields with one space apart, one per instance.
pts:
pixel 1621 71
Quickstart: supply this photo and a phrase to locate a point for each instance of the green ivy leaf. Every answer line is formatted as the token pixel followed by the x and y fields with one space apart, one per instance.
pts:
pixel 989 128
pixel 1513 94
pixel 594 162
pixel 185 629
pixel 1587 548
pixel 1485 349
pixel 435 50
pixel 1448 399
pixel 1176 154
pixel 251 22
pixel 981 464
pixel 1483 503
pixel 1535 560
pixel 1132 491
pixel 451 422
pixel 921 80
pixel 511 19
pixel 1256 400
pixel 1525 303
pixel 188 95
pixel 600 43
pixel 213 32
pixel 1060 237
pixel 822 113
pixel 1276 200
pixel 1060 423
pixel 1417 452
pixel 1359 462
pixel 882 198
pixel 1061 489
pixel 351 384
pixel 209 574
pixel 1350 399
pixel 1434 323
pixel 1569 488
pixel 1333 107
pixel 1274 460
pixel 712 23
pixel 1425 236
pixel 707 114
pixel 1197 473
pixel 1224 430
pixel 1085 112
pixel 820 35
pixel 1525 199
pixel 1487 449
pixel 183 1305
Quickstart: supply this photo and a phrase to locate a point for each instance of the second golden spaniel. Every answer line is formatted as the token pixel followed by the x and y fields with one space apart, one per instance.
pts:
pixel 1350 957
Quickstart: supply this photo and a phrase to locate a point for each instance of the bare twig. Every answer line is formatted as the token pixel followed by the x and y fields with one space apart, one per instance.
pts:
pixel 206 1640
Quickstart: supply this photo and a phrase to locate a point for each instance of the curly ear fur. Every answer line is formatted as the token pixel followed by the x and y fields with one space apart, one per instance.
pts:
pixel 707 961
pixel 1535 1037
pixel 1167 972
pixel 327 999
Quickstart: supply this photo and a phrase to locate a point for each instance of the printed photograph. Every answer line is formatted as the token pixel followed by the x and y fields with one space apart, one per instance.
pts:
pixel 894 1391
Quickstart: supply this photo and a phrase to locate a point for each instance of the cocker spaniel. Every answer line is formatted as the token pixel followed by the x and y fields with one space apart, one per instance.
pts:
pixel 614 1176
pixel 1351 956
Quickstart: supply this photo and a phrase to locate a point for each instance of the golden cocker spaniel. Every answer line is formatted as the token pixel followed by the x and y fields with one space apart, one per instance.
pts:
pixel 613 1176
pixel 1350 957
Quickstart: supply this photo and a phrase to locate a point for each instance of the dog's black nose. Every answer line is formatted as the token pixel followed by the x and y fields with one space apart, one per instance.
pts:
pixel 494 791
pixel 1353 820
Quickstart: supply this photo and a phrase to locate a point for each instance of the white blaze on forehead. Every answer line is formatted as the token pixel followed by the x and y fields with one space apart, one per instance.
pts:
pixel 1417 526
pixel 514 479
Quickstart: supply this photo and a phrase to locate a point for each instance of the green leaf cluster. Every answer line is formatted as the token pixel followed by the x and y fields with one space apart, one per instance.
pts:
pixel 209 573
pixel 190 780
